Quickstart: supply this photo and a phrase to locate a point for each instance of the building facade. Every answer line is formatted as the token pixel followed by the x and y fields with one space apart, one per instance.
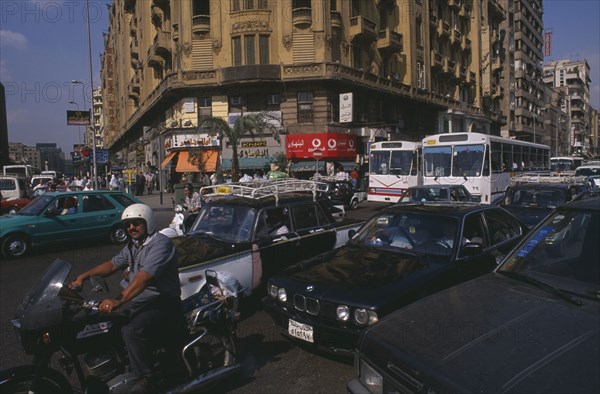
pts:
pixel 574 78
pixel 20 153
pixel 411 68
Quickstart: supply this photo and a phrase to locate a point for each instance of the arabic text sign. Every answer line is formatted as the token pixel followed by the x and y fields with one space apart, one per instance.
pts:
pixel 346 107
pixel 328 145
pixel 78 118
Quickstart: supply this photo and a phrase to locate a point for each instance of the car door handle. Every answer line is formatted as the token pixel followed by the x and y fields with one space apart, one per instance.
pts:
pixel 318 230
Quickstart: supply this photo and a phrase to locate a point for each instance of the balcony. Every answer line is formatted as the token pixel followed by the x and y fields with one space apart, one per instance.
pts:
pixel 465 10
pixel 200 23
pixel 448 66
pixel 161 44
pixel 498 92
pixel 157 16
pixel 436 59
pixel 133 26
pixel 133 88
pixel 155 61
pixel 455 37
pixel 461 73
pixel 454 4
pixel 465 43
pixel 336 19
pixel 433 21
pixel 389 40
pixel 443 28
pixel 496 64
pixel 362 29
pixel 302 17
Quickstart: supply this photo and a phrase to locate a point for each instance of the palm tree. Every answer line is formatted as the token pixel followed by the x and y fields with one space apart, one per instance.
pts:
pixel 253 124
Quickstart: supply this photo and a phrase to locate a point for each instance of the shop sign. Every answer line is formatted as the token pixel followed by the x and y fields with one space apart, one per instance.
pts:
pixel 329 145
pixel 191 141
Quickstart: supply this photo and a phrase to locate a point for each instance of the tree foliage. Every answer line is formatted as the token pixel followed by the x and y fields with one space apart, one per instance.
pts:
pixel 253 125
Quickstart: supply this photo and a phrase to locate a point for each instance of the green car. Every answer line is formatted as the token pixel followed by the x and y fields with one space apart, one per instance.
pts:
pixel 58 217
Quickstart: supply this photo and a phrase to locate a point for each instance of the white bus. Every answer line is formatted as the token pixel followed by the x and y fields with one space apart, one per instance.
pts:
pixel 393 167
pixel 21 170
pixel 565 163
pixel 484 164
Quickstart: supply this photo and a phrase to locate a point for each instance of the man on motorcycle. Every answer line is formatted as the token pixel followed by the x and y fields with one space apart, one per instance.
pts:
pixel 153 294
pixel 192 201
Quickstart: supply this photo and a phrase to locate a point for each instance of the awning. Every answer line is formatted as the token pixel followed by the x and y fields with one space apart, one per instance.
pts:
pixel 167 159
pixel 249 163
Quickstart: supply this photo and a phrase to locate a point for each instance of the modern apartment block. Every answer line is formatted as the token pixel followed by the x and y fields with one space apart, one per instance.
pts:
pixel 22 154
pixel 574 77
pixel 402 69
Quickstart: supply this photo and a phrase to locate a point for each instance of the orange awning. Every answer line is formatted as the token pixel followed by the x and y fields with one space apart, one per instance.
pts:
pixel 209 157
pixel 184 164
pixel 167 159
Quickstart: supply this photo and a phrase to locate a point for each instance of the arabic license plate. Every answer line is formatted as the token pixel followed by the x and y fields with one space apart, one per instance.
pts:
pixel 300 331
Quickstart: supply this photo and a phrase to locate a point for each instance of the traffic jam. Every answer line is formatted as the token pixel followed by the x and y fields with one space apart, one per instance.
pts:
pixel 477 270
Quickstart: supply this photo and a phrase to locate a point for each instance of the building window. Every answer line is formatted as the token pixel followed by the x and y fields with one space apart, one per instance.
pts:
pixel 336 54
pixel 305 107
pixel 204 108
pixel 273 101
pixel 247 55
pixel 237 51
pixel 301 4
pixel 201 7
pixel 419 33
pixel 249 46
pixel 357 57
pixel 235 104
pixel 355 8
pixel 263 48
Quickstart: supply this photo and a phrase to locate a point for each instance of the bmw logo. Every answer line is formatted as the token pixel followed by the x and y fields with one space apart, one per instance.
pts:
pixel 310 288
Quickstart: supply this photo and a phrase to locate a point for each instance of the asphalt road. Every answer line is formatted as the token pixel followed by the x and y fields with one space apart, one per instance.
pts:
pixel 270 363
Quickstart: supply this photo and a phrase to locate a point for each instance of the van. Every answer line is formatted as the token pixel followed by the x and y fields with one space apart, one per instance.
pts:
pixel 588 169
pixel 13 187
pixel 40 179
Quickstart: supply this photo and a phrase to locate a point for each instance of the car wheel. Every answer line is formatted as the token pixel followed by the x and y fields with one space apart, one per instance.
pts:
pixel 118 235
pixel 15 246
pixel 354 203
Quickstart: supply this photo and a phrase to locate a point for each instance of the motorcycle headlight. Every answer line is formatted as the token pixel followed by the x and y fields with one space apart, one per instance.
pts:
pixel 370 378
pixel 364 316
pixel 343 312
pixel 281 294
pixel 273 290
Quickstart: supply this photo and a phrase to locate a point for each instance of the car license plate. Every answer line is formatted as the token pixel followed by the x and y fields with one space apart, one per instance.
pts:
pixel 300 331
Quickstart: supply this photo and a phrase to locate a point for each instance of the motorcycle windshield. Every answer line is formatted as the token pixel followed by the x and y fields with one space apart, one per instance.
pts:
pixel 47 286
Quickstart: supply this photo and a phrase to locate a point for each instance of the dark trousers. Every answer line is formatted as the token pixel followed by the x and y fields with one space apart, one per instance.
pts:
pixel 157 324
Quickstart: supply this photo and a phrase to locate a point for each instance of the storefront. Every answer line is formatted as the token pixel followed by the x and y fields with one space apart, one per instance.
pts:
pixel 322 151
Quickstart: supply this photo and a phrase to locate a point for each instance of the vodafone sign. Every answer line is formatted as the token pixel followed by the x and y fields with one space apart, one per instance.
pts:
pixel 326 145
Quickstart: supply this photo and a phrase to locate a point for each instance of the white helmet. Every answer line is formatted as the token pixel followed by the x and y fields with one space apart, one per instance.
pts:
pixel 140 211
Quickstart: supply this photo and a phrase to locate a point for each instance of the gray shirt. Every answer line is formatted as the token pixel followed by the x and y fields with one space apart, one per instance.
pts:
pixel 156 256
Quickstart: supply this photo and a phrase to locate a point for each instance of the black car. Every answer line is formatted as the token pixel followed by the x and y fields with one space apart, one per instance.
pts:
pixel 339 191
pixel 531 326
pixel 406 252
pixel 253 230
pixel 438 193
pixel 532 202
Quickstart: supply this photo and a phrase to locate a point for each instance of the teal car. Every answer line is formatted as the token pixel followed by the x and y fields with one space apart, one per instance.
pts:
pixel 58 217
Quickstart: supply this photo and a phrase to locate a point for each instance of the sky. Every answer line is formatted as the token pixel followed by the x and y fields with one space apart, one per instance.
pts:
pixel 44 46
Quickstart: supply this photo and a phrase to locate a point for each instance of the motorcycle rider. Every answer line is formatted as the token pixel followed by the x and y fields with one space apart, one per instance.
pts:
pixel 153 294
pixel 192 201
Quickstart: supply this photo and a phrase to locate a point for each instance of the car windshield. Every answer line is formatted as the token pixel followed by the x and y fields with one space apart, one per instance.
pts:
pixel 226 222
pixel 425 234
pixel 562 252
pixel 36 206
pixel 536 197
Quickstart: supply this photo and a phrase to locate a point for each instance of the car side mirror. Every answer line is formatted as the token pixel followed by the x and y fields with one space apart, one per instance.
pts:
pixel 471 249
pixel 351 233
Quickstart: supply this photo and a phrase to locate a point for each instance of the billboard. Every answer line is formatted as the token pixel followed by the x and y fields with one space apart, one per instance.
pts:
pixel 78 118
pixel 547 43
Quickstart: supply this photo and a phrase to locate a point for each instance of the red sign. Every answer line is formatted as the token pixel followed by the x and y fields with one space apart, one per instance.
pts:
pixel 547 43
pixel 326 145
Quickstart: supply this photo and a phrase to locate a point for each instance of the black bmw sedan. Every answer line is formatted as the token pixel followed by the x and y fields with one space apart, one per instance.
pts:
pixel 405 253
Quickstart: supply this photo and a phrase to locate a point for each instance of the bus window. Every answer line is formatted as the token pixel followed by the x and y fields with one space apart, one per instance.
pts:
pixel 468 160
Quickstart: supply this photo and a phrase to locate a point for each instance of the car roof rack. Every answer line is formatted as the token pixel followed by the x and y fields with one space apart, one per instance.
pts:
pixel 258 189
pixel 330 178
pixel 551 177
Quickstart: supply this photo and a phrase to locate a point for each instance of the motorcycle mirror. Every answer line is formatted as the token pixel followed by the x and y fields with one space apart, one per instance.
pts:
pixel 211 278
pixel 98 285
pixel 178 208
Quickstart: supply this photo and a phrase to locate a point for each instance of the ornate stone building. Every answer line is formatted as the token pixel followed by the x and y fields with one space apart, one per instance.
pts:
pixel 413 67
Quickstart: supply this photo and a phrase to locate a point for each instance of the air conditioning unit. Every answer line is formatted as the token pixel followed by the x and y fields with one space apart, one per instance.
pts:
pixel 236 100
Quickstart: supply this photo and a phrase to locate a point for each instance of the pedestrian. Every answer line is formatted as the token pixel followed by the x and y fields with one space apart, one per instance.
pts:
pixel 140 183
pixel 153 295
pixel 114 182
pixel 149 182
pixel 354 176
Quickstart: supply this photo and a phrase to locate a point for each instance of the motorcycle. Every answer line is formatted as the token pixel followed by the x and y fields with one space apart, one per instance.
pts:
pixel 181 223
pixel 56 320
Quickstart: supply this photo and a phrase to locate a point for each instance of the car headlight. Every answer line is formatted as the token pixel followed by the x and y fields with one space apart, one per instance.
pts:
pixel 363 316
pixel 273 291
pixel 343 312
pixel 281 294
pixel 370 378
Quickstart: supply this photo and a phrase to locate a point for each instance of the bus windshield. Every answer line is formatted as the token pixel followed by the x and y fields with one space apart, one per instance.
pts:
pixel 437 160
